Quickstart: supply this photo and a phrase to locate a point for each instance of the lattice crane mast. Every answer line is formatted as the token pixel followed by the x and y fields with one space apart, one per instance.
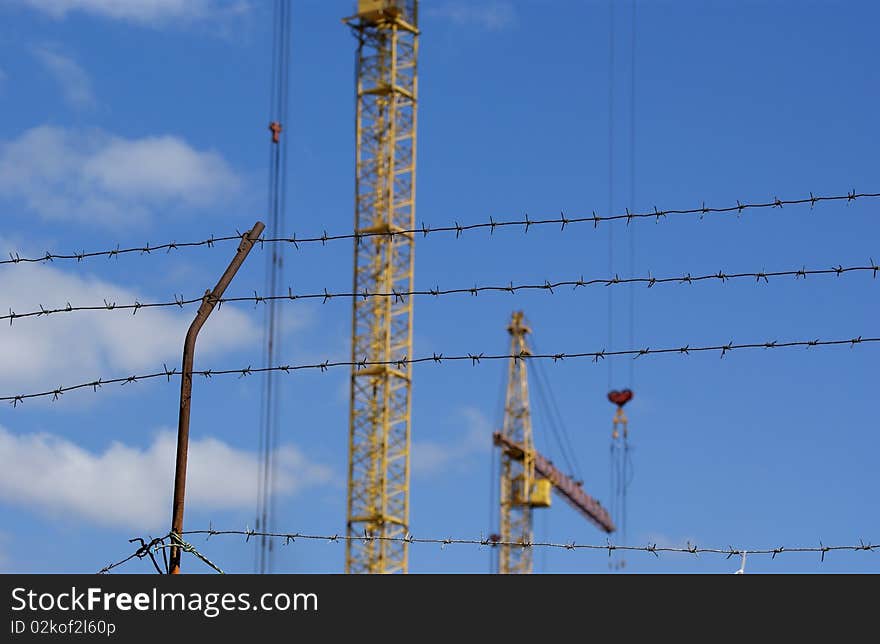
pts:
pixel 527 477
pixel 379 424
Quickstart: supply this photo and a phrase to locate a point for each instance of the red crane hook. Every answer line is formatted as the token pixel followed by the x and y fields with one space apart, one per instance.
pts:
pixel 620 398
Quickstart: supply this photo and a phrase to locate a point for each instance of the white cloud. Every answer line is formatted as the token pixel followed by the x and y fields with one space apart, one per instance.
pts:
pixel 82 346
pixel 431 457
pixel 494 15
pixel 131 487
pixel 142 11
pixel 91 175
pixel 73 79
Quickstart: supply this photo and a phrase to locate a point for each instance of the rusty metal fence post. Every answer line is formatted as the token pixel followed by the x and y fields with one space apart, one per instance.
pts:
pixel 209 301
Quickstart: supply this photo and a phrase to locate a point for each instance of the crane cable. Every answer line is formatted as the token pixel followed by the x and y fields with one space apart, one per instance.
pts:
pixel 627 450
pixel 613 466
pixel 553 417
pixel 495 476
pixel 270 411
pixel 610 183
pixel 621 469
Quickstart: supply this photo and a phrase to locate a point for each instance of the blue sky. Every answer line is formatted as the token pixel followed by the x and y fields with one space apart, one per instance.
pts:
pixel 148 124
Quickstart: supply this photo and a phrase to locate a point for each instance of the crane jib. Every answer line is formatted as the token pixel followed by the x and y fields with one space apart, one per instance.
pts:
pixel 568 488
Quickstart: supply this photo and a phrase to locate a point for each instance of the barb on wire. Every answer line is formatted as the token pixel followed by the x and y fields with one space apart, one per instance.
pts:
pixel 547 286
pixel 524 224
pixel 440 358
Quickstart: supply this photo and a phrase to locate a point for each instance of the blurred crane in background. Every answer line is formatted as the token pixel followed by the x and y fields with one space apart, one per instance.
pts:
pixel 527 477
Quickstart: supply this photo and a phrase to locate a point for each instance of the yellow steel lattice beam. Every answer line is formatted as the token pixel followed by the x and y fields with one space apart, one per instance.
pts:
pixel 517 469
pixel 379 425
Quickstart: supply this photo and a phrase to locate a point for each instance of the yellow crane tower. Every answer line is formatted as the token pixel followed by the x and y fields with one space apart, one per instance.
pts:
pixel 379 423
pixel 520 491
pixel 527 477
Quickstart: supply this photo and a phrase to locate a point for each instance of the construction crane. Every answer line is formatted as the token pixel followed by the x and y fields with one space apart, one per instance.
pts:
pixel 379 423
pixel 527 477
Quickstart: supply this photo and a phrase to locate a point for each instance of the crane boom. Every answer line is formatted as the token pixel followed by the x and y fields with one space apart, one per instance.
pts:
pixel 568 488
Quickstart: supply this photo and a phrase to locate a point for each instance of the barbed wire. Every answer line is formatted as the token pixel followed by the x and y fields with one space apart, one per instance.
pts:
pixel 526 223
pixel 494 542
pixel 146 549
pixel 177 541
pixel 547 286
pixel 153 546
pixel 568 545
pixel 121 562
pixel 439 358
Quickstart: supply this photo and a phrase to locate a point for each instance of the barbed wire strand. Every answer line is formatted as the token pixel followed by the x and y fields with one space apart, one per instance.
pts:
pixel 547 286
pixel 146 549
pixel 439 358
pixel 609 547
pixel 121 562
pixel 178 541
pixel 149 548
pixel 569 545
pixel 526 223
